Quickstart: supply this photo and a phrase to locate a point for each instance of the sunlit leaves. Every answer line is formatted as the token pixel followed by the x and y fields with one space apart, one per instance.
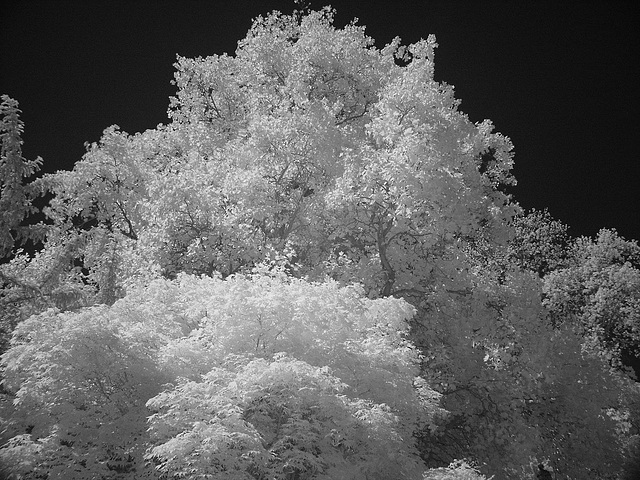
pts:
pixel 344 397
pixel 290 270
pixel 275 418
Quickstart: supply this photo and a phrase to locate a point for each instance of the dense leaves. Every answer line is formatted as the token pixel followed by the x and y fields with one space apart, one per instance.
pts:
pixel 313 271
pixel 16 204
pixel 600 291
pixel 207 356
pixel 541 243
pixel 15 196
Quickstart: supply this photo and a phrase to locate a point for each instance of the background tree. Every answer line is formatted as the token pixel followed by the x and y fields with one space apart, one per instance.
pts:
pixel 16 204
pixel 541 243
pixel 600 292
pixel 16 197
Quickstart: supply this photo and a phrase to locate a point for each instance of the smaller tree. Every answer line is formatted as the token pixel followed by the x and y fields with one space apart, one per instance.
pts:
pixel 256 376
pixel 16 204
pixel 280 418
pixel 16 197
pixel 577 411
pixel 541 243
pixel 600 292
pixel 79 383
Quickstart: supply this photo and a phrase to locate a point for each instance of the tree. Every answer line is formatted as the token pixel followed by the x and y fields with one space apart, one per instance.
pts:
pixel 16 204
pixel 15 197
pixel 541 243
pixel 249 376
pixel 600 292
pixel 577 411
pixel 314 153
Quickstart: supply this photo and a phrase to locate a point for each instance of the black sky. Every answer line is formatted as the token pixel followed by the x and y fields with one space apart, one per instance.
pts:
pixel 559 78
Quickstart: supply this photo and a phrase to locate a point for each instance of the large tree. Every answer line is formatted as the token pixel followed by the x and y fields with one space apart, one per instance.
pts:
pixel 313 153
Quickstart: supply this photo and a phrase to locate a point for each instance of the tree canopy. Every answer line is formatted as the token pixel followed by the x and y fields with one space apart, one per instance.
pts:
pixel 312 271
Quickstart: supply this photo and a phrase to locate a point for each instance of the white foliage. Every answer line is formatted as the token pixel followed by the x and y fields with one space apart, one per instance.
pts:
pixel 259 373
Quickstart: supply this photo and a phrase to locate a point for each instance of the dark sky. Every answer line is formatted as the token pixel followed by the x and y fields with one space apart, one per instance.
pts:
pixel 559 78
